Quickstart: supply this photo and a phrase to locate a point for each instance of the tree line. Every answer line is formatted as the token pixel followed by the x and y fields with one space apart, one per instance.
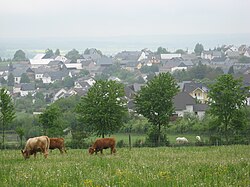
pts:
pixel 103 111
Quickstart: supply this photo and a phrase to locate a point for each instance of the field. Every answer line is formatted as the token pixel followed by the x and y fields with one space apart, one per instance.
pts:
pixel 164 166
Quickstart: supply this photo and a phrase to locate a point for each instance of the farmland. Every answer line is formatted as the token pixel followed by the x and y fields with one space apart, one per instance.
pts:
pixel 164 166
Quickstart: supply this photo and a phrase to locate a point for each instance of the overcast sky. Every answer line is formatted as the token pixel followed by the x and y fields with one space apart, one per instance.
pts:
pixel 108 18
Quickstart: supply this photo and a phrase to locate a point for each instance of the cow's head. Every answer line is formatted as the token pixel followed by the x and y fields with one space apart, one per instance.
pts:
pixel 91 150
pixel 25 154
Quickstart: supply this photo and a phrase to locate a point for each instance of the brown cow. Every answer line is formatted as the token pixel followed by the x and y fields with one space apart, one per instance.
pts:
pixel 36 144
pixel 103 143
pixel 57 143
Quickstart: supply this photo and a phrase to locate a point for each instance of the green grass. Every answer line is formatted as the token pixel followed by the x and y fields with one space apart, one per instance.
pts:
pixel 165 166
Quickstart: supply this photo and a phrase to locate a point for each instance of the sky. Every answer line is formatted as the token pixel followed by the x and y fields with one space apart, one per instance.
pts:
pixel 114 18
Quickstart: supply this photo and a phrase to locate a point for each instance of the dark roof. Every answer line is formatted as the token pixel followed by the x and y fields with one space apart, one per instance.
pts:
pixel 182 99
pixel 55 62
pixel 104 61
pixel 191 86
pixel 128 55
pixel 58 75
pixel 27 87
pixel 200 107
pixel 18 72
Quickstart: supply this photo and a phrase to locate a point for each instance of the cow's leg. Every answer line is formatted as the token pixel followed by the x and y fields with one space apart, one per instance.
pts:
pixel 34 154
pixel 61 151
pixel 101 151
pixel 113 150
pixel 45 152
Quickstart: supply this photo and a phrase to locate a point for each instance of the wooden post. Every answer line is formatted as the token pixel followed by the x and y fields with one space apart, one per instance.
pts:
pixel 129 140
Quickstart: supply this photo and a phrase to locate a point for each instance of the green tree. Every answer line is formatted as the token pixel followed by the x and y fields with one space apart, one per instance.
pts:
pixel 3 81
pixel 198 49
pixel 231 70
pixel 10 80
pixel 1 59
pixel 73 55
pixel 19 56
pixel 162 50
pixel 57 52
pixel 180 51
pixel 244 59
pixel 49 121
pixel 103 108
pixel 20 132
pixel 68 82
pixel 150 69
pixel 7 113
pixel 24 78
pixel 48 53
pixel 227 96
pixel 87 51
pixel 155 101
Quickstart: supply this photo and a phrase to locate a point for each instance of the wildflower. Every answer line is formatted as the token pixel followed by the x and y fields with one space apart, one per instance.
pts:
pixel 88 183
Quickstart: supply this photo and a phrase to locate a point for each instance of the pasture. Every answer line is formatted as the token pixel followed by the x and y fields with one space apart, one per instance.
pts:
pixel 164 166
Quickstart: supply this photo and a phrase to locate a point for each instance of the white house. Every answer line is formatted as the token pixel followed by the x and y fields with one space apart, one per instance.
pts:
pixel 39 60
pixel 170 56
pixel 61 58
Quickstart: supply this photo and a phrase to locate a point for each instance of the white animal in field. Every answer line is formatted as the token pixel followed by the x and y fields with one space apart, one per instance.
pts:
pixel 198 138
pixel 181 140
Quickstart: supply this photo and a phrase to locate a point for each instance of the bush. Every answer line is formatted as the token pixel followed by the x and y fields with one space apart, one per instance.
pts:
pixel 139 143
pixel 121 144
pixel 152 139
pixel 215 140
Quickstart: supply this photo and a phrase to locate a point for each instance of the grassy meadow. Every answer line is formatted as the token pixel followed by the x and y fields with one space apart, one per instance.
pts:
pixel 164 166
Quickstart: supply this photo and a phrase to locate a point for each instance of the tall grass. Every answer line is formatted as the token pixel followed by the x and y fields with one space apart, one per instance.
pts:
pixel 165 166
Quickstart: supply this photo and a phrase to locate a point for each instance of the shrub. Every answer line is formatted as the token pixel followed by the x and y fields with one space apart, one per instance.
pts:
pixel 152 139
pixel 139 143
pixel 120 144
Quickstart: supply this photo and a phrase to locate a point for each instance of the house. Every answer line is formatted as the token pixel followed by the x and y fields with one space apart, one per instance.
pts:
pixel 197 90
pixel 247 53
pixel 130 60
pixel 40 60
pixel 61 58
pixel 185 103
pixel 104 61
pixel 211 54
pixel 56 65
pixel 175 64
pixel 4 70
pixel 170 56
pixel 59 94
pixel 82 85
pixel 17 73
pixel 17 88
pixel 27 88
pixel 232 54
pixel 48 75
pixel 242 49
pixel 74 65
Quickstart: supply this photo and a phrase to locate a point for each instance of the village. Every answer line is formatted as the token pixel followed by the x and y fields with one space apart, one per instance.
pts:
pixel 52 76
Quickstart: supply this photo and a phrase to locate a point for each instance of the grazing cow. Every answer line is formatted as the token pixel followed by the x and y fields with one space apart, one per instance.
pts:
pixel 36 144
pixel 103 143
pixel 181 140
pixel 57 143
pixel 198 138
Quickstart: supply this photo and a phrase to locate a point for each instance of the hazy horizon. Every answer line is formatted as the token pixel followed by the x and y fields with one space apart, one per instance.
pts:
pixel 113 45
pixel 114 25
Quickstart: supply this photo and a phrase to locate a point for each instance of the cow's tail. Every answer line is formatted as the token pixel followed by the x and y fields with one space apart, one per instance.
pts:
pixel 48 142
pixel 47 146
